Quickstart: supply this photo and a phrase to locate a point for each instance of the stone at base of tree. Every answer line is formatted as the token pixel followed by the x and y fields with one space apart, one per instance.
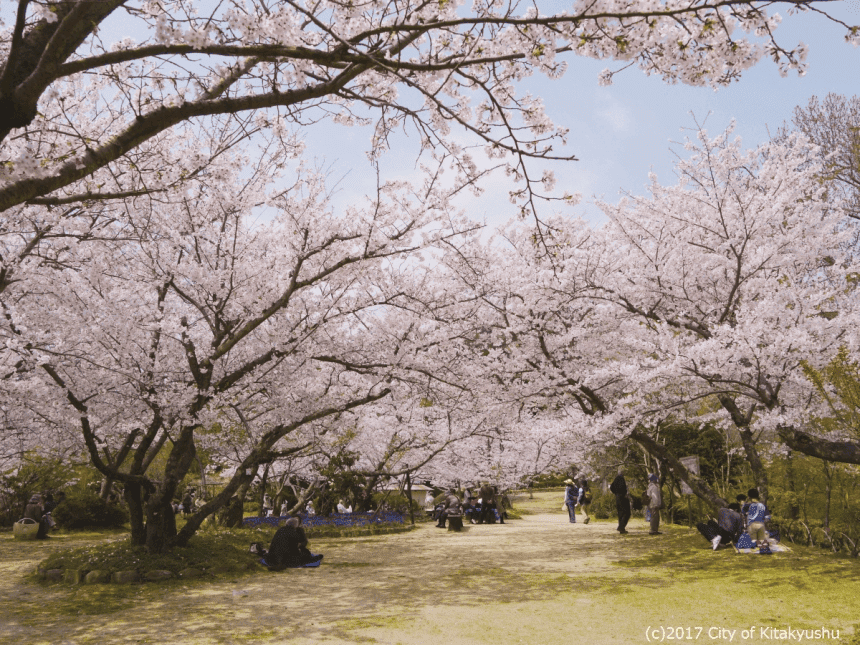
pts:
pixel 54 575
pixel 125 577
pixel 99 576
pixel 74 576
pixel 190 573
pixel 155 576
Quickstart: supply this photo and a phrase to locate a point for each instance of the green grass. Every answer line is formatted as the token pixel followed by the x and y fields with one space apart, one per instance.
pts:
pixel 213 550
pixel 224 550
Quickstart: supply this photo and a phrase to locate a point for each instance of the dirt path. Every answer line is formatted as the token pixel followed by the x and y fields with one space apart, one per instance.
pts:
pixel 535 580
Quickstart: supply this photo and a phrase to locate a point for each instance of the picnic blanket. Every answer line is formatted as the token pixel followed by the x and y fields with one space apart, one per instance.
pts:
pixel 775 548
pixel 745 545
pixel 303 566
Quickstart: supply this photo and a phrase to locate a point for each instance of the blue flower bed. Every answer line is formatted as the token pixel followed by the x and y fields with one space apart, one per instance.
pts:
pixel 335 519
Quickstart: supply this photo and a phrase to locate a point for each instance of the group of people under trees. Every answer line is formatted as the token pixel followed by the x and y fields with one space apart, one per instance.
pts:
pixel 485 509
pixel 746 515
pixel 577 494
pixel 624 499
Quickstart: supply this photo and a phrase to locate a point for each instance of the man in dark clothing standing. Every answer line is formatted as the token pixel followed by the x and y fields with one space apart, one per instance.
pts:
pixel 618 487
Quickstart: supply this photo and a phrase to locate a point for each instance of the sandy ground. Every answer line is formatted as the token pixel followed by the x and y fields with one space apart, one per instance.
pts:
pixel 536 580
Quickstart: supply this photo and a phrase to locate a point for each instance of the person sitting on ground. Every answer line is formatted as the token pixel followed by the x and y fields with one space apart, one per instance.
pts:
pixel 726 529
pixel 757 515
pixel 471 510
pixel 289 547
pixel 341 508
pixel 36 512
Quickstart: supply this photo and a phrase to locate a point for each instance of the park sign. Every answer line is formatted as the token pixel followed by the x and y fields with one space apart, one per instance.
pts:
pixel 692 464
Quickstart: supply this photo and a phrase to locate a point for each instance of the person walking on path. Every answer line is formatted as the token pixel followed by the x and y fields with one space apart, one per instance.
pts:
pixel 571 499
pixel 618 487
pixel 585 499
pixel 655 502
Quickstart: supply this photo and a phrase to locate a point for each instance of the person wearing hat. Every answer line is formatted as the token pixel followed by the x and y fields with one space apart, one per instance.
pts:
pixel 571 497
pixel 655 502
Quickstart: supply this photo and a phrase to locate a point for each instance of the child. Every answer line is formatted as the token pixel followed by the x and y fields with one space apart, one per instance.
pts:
pixel 757 515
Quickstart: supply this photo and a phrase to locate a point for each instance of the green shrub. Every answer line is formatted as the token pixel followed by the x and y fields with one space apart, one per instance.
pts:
pixel 602 505
pixel 85 509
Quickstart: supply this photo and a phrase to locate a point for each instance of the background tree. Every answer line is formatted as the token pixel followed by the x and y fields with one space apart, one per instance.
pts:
pixel 834 125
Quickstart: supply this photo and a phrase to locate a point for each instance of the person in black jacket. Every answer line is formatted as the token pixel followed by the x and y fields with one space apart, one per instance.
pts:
pixel 618 487
pixel 289 547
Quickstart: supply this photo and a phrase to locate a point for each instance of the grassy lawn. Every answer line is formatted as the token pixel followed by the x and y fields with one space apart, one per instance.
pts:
pixel 534 580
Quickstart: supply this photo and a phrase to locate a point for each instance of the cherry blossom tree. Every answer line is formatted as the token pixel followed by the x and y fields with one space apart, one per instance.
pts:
pixel 75 110
pixel 205 318
pixel 700 301
pixel 739 273
pixel 833 124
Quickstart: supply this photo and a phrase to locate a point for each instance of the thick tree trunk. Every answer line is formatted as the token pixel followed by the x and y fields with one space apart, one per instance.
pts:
pixel 160 520
pixel 699 487
pixel 160 525
pixel 365 500
pixel 107 485
pixel 133 495
pixel 742 422
pixel 755 462
pixel 846 452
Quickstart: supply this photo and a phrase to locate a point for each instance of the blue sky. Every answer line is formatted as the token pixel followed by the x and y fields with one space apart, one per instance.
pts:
pixel 621 132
